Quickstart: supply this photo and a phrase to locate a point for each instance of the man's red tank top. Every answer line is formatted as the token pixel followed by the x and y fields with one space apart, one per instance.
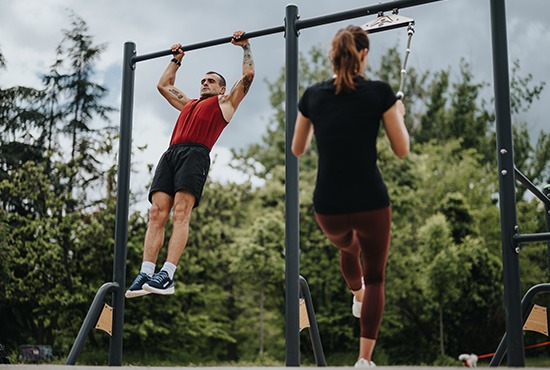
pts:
pixel 200 121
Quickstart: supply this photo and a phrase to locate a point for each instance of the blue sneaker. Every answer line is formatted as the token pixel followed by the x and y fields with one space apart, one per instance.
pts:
pixel 136 289
pixel 160 283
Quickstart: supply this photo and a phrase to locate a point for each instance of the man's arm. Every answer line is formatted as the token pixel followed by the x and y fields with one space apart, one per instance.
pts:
pixel 230 102
pixel 166 87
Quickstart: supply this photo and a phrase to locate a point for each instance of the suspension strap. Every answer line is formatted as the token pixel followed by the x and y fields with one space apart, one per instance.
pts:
pixel 388 22
pixel 410 33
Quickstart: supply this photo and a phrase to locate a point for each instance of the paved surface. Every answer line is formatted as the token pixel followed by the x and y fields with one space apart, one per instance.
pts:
pixel 76 367
pixel 69 367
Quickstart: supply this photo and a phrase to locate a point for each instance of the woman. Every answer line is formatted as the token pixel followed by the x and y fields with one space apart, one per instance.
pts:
pixel 351 201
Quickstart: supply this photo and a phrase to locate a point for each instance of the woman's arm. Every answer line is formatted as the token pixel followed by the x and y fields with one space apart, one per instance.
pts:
pixel 394 124
pixel 303 132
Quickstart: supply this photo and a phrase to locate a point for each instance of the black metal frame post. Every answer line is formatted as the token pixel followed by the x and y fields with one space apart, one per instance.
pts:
pixel 122 208
pixel 292 210
pixel 506 177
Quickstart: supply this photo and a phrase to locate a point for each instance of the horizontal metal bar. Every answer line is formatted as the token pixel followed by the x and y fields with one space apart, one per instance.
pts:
pixel 205 44
pixel 360 12
pixel 300 24
pixel 528 238
pixel 529 185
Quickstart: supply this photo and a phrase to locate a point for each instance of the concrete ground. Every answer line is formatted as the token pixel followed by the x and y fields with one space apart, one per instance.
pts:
pixel 75 367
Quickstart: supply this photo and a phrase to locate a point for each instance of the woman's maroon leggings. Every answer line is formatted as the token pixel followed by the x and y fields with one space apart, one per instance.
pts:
pixel 366 234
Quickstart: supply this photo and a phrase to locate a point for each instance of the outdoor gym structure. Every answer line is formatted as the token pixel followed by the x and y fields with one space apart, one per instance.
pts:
pixel 512 342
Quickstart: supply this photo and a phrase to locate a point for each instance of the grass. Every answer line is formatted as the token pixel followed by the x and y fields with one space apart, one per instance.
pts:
pixel 100 358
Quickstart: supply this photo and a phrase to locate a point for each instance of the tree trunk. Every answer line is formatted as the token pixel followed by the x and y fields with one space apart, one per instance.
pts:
pixel 261 352
pixel 441 331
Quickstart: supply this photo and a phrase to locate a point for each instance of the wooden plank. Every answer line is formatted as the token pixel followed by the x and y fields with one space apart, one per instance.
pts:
pixel 304 318
pixel 537 320
pixel 105 321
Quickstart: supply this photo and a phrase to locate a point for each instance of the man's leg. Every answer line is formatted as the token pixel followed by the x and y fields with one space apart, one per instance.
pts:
pixel 158 216
pixel 154 239
pixel 163 281
pixel 183 205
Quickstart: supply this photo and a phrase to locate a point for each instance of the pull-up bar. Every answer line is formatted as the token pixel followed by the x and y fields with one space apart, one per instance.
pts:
pixel 205 44
pixel 302 24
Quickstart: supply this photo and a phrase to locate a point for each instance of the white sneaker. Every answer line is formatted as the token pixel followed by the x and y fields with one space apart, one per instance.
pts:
pixel 469 360
pixel 356 307
pixel 364 363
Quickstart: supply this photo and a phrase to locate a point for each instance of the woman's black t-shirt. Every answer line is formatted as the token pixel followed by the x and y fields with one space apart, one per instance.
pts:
pixel 346 127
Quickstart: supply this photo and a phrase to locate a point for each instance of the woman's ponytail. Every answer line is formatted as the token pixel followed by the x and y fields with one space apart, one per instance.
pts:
pixel 347 45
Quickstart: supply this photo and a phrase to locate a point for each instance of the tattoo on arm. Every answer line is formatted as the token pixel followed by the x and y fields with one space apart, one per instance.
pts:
pixel 175 92
pixel 246 84
pixel 248 73
pixel 248 62
pixel 247 57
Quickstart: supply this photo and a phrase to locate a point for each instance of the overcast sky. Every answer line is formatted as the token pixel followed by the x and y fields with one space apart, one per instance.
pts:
pixel 446 31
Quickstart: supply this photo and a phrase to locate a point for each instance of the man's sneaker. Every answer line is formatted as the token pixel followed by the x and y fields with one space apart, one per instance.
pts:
pixel 136 289
pixel 160 283
pixel 356 307
pixel 364 363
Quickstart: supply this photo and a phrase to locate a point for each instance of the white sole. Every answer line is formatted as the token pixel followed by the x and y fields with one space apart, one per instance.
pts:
pixel 150 289
pixel 135 293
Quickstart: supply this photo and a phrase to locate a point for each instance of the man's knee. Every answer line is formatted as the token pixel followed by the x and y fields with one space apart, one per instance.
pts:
pixel 182 207
pixel 158 214
pixel 182 214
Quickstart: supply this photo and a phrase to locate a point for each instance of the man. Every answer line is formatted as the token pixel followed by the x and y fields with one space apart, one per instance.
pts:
pixel 182 170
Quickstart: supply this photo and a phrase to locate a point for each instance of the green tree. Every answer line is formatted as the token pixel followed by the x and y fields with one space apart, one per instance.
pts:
pixel 433 124
pixel 54 253
pixel 259 268
pixel 20 119
pixel 469 119
pixel 443 277
pixel 71 76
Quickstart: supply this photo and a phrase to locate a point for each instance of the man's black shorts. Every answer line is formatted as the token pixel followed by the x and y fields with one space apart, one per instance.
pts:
pixel 183 166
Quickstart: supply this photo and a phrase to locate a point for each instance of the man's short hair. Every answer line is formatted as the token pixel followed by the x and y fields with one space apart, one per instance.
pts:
pixel 222 80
